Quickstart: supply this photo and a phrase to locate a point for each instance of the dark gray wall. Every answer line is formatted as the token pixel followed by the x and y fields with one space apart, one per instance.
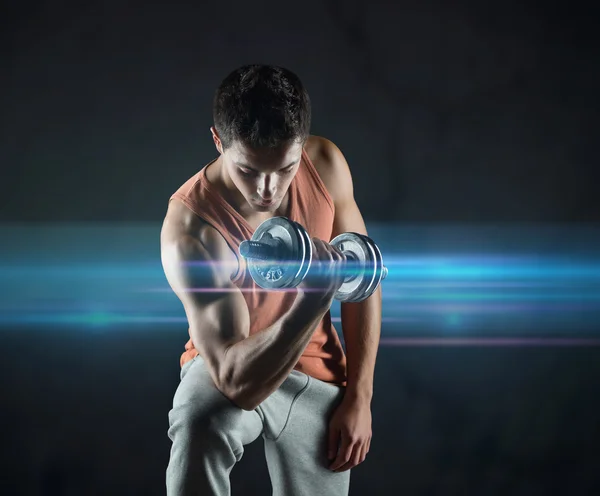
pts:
pixel 445 112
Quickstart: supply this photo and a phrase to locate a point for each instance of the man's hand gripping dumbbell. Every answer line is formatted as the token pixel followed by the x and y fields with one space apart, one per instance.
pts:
pixel 281 255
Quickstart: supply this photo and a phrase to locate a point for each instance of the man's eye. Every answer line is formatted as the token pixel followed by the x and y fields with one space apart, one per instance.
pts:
pixel 246 172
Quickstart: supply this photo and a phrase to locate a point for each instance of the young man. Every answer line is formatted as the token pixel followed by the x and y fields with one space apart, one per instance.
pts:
pixel 267 363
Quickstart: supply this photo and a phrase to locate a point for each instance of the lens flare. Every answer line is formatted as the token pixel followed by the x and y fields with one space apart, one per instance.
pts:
pixel 479 285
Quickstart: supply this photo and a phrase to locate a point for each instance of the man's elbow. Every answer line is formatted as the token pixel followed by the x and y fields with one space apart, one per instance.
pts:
pixel 234 385
pixel 247 395
pixel 239 394
pixel 239 397
pixel 246 403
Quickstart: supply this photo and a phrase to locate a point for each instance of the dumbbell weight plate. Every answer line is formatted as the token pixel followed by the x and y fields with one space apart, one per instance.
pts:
pixel 282 273
pixel 306 262
pixel 358 272
pixel 365 267
pixel 380 269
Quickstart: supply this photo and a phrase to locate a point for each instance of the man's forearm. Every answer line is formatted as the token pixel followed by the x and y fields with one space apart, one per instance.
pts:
pixel 259 364
pixel 361 326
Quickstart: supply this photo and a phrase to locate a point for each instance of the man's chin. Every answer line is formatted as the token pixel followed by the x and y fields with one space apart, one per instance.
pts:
pixel 263 208
pixel 271 207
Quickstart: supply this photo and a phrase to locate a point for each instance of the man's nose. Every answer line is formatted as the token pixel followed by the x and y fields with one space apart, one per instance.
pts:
pixel 267 188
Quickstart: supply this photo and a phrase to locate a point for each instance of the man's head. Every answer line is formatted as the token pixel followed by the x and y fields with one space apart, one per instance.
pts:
pixel 262 119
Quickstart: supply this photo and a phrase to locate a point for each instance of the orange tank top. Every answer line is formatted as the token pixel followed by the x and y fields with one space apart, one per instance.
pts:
pixel 312 207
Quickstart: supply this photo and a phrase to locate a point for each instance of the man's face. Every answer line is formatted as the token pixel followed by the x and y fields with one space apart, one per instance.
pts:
pixel 262 176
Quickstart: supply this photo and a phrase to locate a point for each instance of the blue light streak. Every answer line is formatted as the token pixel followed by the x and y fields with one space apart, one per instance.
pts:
pixel 444 280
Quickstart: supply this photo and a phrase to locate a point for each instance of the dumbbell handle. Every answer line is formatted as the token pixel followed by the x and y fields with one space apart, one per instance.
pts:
pixel 266 251
pixel 257 250
pixel 384 271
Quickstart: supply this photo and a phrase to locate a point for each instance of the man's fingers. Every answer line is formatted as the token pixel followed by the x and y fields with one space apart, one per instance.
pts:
pixel 355 458
pixel 333 443
pixel 363 454
pixel 358 456
pixel 344 454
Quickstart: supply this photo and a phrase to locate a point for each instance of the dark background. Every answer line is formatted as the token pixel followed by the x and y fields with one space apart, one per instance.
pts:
pixel 446 111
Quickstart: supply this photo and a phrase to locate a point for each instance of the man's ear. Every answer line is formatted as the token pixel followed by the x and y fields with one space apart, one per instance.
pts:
pixel 216 140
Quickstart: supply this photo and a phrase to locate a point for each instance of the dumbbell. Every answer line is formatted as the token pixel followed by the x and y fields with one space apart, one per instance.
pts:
pixel 279 256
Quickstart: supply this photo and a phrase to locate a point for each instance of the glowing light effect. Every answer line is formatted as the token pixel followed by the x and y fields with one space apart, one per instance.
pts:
pixel 517 285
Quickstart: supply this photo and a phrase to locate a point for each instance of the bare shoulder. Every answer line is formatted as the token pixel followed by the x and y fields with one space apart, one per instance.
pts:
pixel 188 235
pixel 332 167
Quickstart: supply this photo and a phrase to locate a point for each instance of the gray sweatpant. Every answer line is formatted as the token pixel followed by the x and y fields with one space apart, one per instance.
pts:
pixel 209 433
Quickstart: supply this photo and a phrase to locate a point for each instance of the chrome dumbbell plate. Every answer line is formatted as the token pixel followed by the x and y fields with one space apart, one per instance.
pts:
pixel 291 254
pixel 364 268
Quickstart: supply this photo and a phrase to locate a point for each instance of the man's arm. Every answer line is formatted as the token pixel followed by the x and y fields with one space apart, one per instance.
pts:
pixel 361 322
pixel 246 369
